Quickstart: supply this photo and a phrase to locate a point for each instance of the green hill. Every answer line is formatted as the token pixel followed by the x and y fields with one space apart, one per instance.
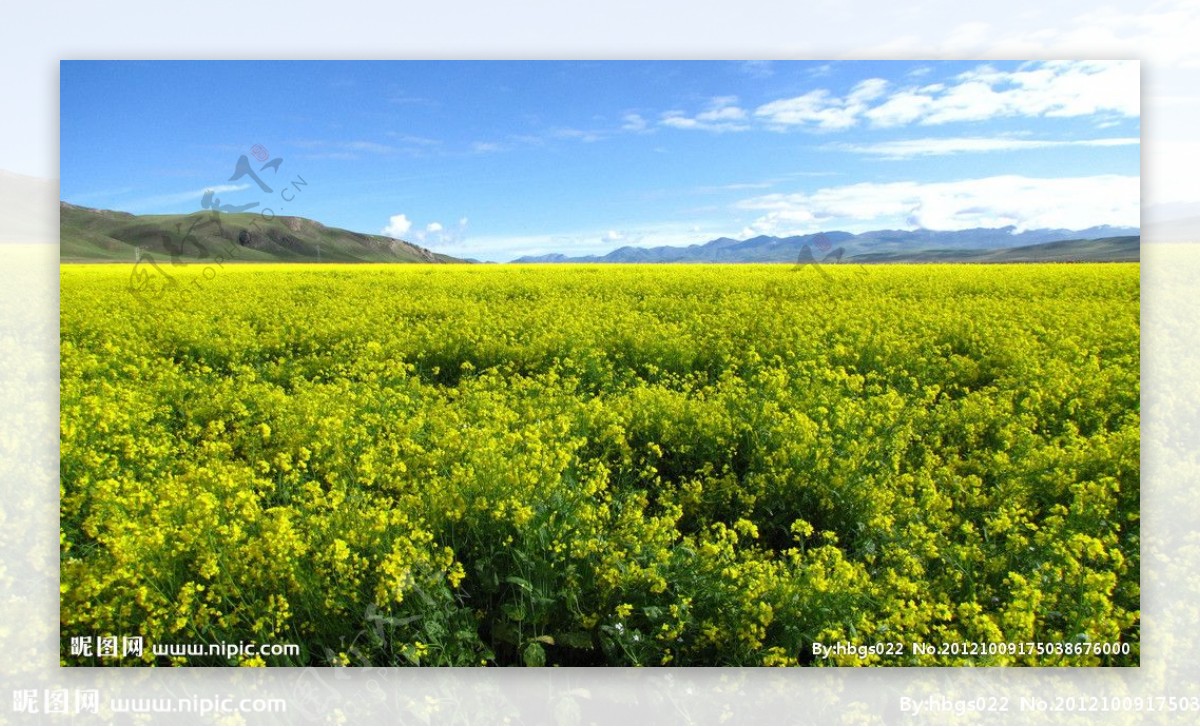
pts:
pixel 1107 249
pixel 91 235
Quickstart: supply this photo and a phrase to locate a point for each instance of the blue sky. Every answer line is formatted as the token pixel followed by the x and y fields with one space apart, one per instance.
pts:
pixel 493 160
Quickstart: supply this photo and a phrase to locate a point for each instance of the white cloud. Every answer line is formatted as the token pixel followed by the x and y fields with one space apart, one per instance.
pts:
pixel 1023 202
pixel 902 107
pixel 540 139
pixel 413 140
pixel 215 189
pixel 867 90
pixel 167 200
pixel 612 236
pixel 723 114
pixel 398 226
pixel 345 150
pixel 822 109
pixel 934 146
pixel 581 134
pixel 1053 88
pixel 757 69
pixel 633 122
pixel 437 235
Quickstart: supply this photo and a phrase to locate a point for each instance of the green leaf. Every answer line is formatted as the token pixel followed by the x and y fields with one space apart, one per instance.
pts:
pixel 519 582
pixel 534 654
pixel 514 611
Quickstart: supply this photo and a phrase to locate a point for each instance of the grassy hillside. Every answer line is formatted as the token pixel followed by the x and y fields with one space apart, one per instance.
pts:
pixel 91 235
pixel 1108 249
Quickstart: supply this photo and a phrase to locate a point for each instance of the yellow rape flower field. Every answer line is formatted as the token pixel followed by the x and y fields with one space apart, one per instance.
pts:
pixel 603 465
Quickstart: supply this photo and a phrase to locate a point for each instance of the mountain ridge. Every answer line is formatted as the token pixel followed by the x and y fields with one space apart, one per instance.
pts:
pixel 896 245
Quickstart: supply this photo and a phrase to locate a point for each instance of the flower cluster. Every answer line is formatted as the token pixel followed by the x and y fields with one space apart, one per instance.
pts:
pixel 585 465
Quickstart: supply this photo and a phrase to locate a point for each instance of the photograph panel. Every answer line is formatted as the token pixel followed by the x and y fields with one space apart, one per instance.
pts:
pixel 616 363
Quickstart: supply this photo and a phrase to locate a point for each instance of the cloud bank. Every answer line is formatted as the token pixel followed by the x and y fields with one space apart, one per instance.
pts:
pixel 1000 201
pixel 1036 89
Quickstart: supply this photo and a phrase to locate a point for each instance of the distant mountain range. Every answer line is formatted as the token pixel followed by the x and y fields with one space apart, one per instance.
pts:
pixel 1094 244
pixel 92 235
